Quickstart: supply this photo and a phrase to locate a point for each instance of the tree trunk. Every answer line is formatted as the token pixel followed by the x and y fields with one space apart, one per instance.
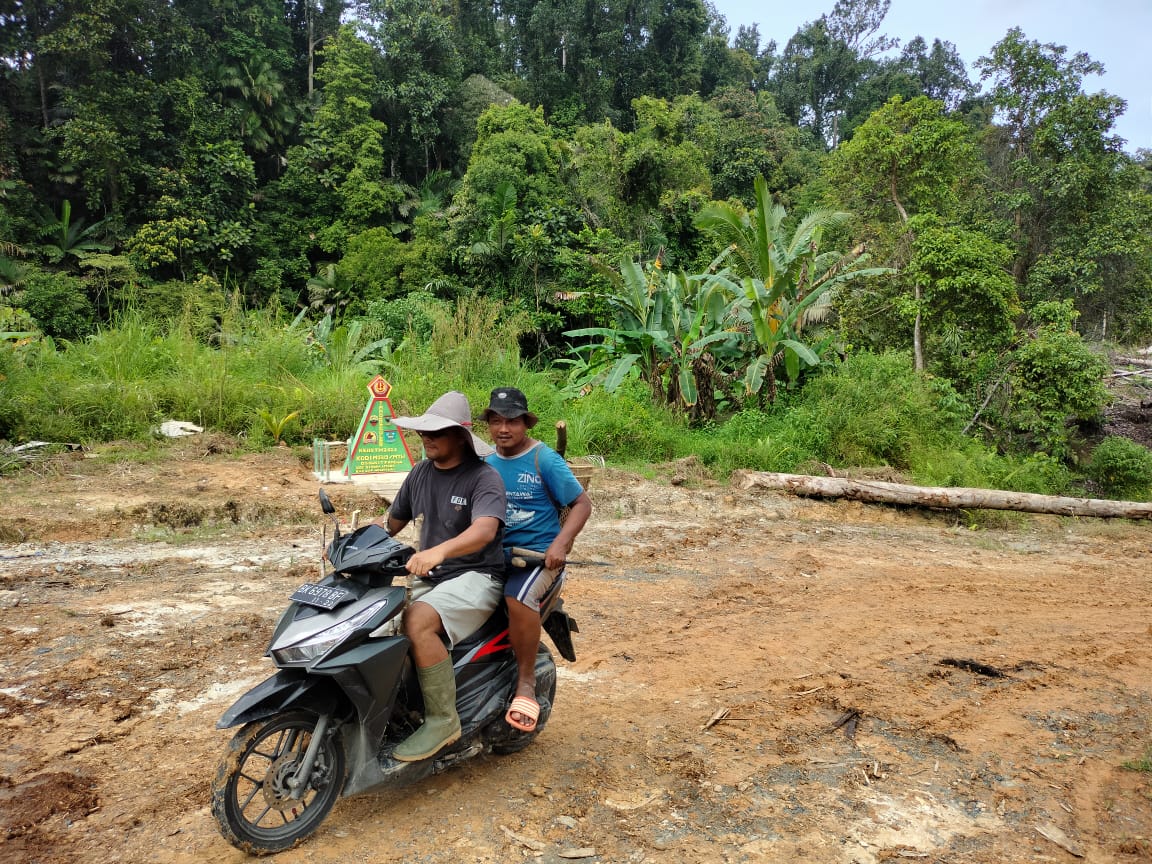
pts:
pixel 43 93
pixel 311 48
pixel 947 498
pixel 917 339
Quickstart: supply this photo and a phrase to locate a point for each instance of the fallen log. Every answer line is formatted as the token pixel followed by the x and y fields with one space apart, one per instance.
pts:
pixel 948 498
pixel 1133 361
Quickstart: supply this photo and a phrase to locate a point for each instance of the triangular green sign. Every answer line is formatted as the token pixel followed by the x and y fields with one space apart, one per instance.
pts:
pixel 378 447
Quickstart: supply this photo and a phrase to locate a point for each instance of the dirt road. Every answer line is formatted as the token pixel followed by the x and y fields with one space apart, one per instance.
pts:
pixel 759 678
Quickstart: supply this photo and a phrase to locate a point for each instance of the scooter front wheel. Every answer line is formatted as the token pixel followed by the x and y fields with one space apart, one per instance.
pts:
pixel 257 809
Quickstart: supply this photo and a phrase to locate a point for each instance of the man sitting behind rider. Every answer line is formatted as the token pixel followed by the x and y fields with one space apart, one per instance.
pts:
pixel 460 565
pixel 538 483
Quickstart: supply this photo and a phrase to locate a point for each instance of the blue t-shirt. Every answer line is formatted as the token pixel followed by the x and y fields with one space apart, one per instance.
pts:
pixel 532 521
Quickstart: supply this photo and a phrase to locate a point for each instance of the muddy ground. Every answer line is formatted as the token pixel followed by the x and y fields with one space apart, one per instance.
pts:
pixel 760 678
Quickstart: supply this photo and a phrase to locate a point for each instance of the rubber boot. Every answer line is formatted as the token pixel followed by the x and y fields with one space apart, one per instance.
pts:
pixel 441 722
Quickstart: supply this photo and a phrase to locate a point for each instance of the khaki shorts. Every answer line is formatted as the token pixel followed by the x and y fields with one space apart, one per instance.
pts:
pixel 463 602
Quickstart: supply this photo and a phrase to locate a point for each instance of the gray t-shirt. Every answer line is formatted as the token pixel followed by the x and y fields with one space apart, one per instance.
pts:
pixel 450 501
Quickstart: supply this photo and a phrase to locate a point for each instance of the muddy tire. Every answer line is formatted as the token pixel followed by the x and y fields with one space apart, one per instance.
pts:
pixel 251 799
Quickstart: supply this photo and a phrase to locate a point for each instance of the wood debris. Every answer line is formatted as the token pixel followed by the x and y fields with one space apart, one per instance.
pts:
pixel 528 842
pixel 942 497
pixel 582 852
pixel 973 666
pixel 716 718
pixel 625 806
pixel 1055 835
pixel 848 722
pixel 803 693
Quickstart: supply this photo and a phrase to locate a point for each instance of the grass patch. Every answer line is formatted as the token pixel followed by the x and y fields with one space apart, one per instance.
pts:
pixel 1142 764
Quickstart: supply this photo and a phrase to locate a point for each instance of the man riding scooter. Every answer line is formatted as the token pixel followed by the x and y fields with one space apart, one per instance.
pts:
pixel 343 711
pixel 458 572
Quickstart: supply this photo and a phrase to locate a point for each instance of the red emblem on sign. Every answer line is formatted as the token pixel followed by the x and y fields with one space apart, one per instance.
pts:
pixel 379 387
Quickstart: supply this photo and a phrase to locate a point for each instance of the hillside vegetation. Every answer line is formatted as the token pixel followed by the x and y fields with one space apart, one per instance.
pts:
pixel 684 237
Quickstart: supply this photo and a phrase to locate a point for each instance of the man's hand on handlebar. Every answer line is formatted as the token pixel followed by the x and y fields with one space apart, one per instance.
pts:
pixel 422 562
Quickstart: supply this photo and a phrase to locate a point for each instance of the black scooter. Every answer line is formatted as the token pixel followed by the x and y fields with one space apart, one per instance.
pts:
pixel 346 693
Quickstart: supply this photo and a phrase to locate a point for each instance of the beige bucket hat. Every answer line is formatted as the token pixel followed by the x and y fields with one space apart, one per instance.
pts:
pixel 451 409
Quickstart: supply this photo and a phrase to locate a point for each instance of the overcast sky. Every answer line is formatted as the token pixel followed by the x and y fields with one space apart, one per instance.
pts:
pixel 1117 33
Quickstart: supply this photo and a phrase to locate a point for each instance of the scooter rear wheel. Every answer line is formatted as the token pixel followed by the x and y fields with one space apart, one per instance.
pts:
pixel 256 809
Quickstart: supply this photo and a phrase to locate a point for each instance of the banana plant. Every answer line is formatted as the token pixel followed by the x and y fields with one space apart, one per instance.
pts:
pixel 637 339
pixel 342 348
pixel 773 323
pixel 665 325
pixel 696 317
pixel 774 319
pixel 776 281
pixel 68 237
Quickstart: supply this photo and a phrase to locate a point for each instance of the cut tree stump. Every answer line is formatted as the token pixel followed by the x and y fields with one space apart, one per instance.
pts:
pixel 948 498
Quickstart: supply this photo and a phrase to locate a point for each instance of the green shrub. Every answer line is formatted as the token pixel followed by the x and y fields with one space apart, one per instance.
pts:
pixel 332 404
pixel 414 314
pixel 372 265
pixel 623 426
pixel 1055 377
pixel 477 341
pixel 11 411
pixel 1037 472
pixel 60 305
pixel 874 409
pixel 772 440
pixel 1122 467
pixel 870 411
pixel 194 306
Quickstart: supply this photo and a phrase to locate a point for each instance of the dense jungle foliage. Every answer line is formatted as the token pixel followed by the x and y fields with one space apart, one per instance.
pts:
pixel 832 248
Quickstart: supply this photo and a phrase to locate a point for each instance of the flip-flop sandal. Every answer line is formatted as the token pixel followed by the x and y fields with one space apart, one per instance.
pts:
pixel 525 707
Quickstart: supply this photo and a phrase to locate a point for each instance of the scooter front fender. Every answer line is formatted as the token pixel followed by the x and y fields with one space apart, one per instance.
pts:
pixel 287 689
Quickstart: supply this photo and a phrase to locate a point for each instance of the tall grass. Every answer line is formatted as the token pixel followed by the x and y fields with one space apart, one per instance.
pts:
pixel 98 389
pixel 479 340
pixel 871 410
pixel 123 381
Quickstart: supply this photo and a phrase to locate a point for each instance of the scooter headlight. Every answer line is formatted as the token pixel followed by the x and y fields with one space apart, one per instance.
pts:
pixel 319 644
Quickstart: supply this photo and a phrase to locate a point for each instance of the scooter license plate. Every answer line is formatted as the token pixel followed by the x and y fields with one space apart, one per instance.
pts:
pixel 322 596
